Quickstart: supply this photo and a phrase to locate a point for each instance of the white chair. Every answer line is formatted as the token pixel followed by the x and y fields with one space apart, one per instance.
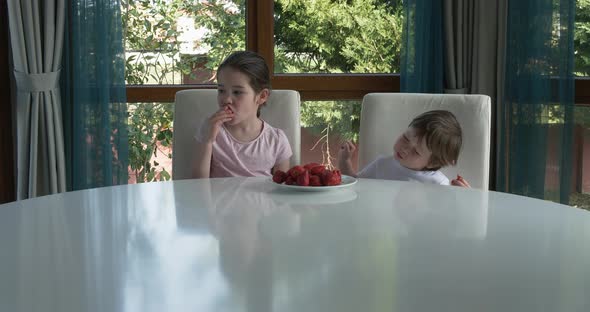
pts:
pixel 384 116
pixel 191 107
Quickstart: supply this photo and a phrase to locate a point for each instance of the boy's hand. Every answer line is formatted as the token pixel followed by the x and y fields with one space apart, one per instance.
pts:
pixel 459 181
pixel 222 115
pixel 346 151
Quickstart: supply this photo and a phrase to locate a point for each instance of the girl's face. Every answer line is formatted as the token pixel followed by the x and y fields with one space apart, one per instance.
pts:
pixel 235 93
pixel 411 150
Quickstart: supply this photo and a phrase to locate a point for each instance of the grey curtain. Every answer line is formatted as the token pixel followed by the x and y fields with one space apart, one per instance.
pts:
pixel 475 41
pixel 474 46
pixel 36 34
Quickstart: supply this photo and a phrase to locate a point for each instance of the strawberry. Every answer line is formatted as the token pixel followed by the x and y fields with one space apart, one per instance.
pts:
pixel 290 180
pixel 315 180
pixel 295 171
pixel 317 170
pixel 330 178
pixel 337 177
pixel 279 176
pixel 303 179
pixel 311 165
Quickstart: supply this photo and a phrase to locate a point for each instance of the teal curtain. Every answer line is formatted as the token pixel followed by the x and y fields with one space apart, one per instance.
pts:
pixel 422 47
pixel 95 109
pixel 536 113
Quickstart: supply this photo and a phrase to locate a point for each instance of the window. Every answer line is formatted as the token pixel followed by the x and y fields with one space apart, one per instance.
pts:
pixel 185 53
pixel 581 144
pixel 176 44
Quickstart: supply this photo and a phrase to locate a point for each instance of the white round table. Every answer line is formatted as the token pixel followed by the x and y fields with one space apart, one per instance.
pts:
pixel 243 244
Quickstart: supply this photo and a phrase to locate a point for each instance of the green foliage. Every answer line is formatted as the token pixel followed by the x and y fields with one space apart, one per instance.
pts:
pixel 343 117
pixel 150 35
pixel 150 130
pixel 226 25
pixel 327 36
pixel 582 116
pixel 582 38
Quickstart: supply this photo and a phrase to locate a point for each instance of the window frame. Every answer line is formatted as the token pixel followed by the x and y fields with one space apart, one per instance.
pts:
pixel 7 164
pixel 582 91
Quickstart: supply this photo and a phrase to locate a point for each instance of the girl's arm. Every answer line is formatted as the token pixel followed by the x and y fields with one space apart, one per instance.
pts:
pixel 283 166
pixel 201 165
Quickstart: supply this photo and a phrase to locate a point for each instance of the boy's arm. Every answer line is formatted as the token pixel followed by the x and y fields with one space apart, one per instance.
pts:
pixel 347 149
pixel 459 181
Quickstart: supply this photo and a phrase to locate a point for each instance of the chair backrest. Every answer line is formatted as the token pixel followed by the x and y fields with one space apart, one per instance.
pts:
pixel 384 116
pixel 191 107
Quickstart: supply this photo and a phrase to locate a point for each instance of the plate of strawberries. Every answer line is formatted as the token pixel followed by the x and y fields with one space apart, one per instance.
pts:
pixel 312 177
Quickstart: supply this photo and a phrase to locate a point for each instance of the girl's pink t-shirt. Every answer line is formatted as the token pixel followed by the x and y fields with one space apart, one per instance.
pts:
pixel 233 158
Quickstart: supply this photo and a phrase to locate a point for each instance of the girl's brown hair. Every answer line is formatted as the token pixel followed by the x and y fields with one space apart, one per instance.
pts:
pixel 252 65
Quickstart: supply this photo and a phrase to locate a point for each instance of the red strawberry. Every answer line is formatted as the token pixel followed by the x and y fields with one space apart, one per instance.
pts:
pixel 295 171
pixel 337 173
pixel 317 170
pixel 279 176
pixel 311 165
pixel 290 180
pixel 315 180
pixel 326 176
pixel 303 179
pixel 330 178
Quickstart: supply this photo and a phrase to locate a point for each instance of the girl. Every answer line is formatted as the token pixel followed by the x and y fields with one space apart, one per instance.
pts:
pixel 235 141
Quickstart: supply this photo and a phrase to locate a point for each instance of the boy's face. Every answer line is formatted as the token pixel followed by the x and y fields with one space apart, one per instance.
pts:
pixel 411 150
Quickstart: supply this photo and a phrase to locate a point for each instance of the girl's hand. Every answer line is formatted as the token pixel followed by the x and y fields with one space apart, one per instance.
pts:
pixel 222 115
pixel 347 149
pixel 459 181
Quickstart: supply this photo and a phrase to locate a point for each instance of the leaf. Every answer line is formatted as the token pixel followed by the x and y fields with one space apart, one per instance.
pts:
pixel 164 175
pixel 150 176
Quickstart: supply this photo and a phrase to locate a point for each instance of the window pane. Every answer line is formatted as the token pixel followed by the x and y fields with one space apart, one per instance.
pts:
pixel 324 125
pixel 582 38
pixel 150 141
pixel 180 41
pixel 581 158
pixel 326 36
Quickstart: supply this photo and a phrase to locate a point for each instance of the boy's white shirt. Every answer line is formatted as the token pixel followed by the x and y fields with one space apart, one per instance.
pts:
pixel 389 168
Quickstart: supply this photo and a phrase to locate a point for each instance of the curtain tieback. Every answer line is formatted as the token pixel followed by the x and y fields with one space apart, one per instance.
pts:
pixel 36 82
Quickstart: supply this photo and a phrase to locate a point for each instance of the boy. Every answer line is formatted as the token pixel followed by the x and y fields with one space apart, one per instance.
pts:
pixel 431 141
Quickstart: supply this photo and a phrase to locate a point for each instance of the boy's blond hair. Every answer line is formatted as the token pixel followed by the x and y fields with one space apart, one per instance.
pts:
pixel 443 136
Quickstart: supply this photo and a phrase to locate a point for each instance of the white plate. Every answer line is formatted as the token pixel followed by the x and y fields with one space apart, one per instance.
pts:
pixel 347 181
pixel 314 198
